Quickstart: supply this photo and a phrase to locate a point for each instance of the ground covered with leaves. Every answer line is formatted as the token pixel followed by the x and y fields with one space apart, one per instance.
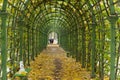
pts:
pixel 52 64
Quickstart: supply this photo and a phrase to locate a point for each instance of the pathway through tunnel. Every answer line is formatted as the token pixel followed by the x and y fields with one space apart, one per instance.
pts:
pixel 88 29
pixel 53 64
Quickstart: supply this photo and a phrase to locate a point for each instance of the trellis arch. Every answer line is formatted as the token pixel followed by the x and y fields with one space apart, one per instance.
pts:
pixel 87 29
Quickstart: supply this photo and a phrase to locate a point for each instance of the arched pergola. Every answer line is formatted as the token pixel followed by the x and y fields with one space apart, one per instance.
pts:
pixel 88 29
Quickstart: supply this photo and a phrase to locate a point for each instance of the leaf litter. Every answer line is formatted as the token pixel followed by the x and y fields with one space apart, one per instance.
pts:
pixel 52 64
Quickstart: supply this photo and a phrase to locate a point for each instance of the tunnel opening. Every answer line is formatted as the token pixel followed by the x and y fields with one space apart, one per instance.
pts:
pixel 53 38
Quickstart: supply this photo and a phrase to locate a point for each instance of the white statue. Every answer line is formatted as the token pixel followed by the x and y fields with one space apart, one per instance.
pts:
pixel 21 66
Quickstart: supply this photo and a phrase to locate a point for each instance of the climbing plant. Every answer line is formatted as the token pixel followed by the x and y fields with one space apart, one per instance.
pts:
pixel 88 30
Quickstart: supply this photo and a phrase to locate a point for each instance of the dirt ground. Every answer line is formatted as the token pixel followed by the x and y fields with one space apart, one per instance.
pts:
pixel 53 64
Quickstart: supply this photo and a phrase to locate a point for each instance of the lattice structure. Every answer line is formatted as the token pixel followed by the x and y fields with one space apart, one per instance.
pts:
pixel 88 29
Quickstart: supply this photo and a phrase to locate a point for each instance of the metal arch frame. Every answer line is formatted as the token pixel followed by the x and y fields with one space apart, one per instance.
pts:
pixel 45 21
pixel 57 13
pixel 50 20
pixel 109 8
pixel 54 16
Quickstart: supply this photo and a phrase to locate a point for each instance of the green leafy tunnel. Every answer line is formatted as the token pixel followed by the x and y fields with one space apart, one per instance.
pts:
pixel 88 29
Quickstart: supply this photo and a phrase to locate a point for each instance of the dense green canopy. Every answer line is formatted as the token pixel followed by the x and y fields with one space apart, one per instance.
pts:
pixel 65 14
pixel 88 29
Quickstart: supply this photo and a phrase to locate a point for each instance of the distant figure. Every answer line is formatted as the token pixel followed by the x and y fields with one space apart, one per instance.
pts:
pixel 51 41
